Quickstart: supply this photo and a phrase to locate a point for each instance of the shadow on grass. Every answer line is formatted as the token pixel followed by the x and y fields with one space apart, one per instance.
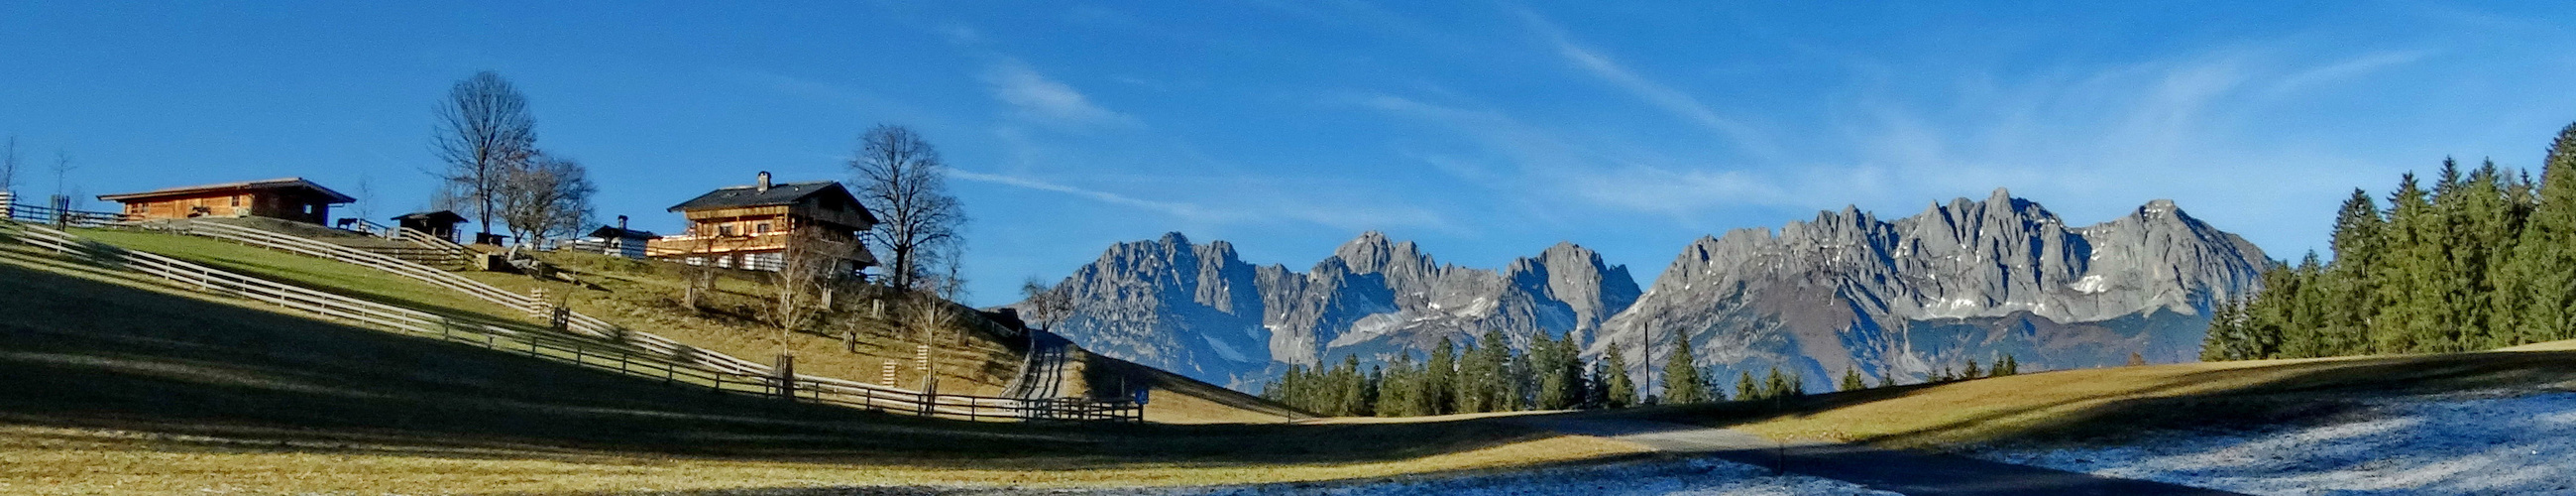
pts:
pixel 2258 395
pixel 84 354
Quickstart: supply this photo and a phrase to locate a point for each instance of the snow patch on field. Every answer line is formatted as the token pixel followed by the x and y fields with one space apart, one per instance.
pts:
pixel 2510 445
pixel 1696 476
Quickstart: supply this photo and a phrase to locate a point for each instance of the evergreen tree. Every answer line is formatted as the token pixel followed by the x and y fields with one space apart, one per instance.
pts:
pixel 1971 371
pixel 1440 381
pixel 2009 367
pixel 1746 389
pixel 1777 385
pixel 2542 293
pixel 2409 277
pixel 1852 380
pixel 1682 381
pixel 1618 391
pixel 2351 298
pixel 1884 379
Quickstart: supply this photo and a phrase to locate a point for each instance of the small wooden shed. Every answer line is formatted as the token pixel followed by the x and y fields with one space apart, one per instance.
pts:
pixel 440 224
pixel 291 198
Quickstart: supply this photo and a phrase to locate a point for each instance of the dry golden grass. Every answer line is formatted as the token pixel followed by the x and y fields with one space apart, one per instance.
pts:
pixel 53 460
pixel 2102 405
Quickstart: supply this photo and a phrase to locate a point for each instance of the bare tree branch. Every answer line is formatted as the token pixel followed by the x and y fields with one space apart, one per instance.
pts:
pixel 544 198
pixel 484 129
pixel 1046 305
pixel 902 180
pixel 9 165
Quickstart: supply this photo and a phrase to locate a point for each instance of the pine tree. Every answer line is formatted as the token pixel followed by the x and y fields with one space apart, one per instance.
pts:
pixel 1682 381
pixel 1971 372
pixel 1884 379
pixel 2542 296
pixel 1618 390
pixel 2409 277
pixel 2010 366
pixel 1441 380
pixel 1852 380
pixel 1746 389
pixel 1777 385
pixel 2351 298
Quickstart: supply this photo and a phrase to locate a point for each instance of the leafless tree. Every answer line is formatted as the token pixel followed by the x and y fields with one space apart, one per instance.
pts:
pixel 543 198
pixel 934 321
pixel 9 164
pixel 1045 305
pixel 810 265
pixel 62 173
pixel 484 130
pixel 902 180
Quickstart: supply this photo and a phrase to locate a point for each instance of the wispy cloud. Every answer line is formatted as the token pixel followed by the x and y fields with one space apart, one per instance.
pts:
pixel 1661 96
pixel 2339 71
pixel 1045 100
pixel 1175 209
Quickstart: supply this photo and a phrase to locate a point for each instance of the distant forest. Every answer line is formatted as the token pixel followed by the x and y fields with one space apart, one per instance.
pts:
pixel 1551 376
pixel 2485 259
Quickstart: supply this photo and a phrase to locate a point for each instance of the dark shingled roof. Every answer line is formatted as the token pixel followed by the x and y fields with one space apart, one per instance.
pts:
pixel 608 232
pixel 447 216
pixel 327 194
pixel 747 196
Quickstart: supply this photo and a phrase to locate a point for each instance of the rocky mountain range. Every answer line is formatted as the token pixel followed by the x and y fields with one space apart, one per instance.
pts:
pixel 1960 281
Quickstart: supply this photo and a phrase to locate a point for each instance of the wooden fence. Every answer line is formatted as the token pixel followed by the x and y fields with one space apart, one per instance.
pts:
pixel 602 346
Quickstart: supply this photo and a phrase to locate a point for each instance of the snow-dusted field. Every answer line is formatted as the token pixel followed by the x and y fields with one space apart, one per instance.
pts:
pixel 2522 444
pixel 1696 476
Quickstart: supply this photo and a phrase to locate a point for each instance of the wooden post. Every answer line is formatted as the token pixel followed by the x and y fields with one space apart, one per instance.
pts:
pixel 787 376
pixel 887 379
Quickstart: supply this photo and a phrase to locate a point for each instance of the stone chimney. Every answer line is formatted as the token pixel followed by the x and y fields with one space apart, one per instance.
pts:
pixel 764 182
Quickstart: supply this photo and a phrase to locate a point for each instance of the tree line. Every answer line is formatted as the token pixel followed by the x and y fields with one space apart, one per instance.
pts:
pixel 2485 258
pixel 1551 375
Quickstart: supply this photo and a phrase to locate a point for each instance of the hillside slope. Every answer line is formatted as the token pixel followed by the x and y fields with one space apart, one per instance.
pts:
pixel 854 343
pixel 127 386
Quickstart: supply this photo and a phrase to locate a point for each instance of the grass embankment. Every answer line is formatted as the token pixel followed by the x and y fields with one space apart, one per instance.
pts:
pixel 854 342
pixel 127 386
pixel 2103 406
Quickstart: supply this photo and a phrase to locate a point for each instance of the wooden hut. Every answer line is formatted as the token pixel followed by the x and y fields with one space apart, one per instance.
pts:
pixel 291 198
pixel 440 224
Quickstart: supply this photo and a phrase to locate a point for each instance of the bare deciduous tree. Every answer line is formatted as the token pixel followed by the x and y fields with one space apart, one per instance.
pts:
pixel 934 320
pixel 543 198
pixel 9 164
pixel 1046 305
pixel 62 173
pixel 810 265
pixel 902 180
pixel 484 131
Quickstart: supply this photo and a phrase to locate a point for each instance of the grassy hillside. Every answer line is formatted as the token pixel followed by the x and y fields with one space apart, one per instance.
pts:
pixel 127 386
pixel 853 343
pixel 2103 405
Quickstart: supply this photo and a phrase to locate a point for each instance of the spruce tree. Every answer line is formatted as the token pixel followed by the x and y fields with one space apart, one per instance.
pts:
pixel 1852 380
pixel 2409 277
pixel 1971 372
pixel 2351 297
pixel 1440 381
pixel 1618 391
pixel 1777 385
pixel 1746 389
pixel 2543 267
pixel 1682 381
pixel 2010 366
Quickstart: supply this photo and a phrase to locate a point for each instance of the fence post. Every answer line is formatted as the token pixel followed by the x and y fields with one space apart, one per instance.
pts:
pixel 8 205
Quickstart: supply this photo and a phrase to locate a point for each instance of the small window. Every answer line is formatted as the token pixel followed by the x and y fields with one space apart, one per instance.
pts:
pixel 724 230
pixel 237 200
pixel 761 228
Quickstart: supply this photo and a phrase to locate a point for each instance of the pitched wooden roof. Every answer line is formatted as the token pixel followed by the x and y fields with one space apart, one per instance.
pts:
pixel 279 183
pixel 779 194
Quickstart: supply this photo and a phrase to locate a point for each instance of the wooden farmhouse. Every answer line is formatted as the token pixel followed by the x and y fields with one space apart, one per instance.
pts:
pixel 290 198
pixel 616 240
pixel 747 227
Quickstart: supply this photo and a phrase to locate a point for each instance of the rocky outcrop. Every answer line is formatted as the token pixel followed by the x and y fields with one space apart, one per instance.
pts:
pixel 1969 280
pixel 1964 280
pixel 1197 310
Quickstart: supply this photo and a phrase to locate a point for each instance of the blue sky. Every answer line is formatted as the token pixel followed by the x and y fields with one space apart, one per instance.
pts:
pixel 1485 131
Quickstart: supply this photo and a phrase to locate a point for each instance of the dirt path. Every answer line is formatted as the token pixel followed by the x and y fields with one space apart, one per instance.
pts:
pixel 1899 471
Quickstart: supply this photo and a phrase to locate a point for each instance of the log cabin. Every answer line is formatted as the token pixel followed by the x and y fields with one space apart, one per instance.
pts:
pixel 747 227
pixel 291 198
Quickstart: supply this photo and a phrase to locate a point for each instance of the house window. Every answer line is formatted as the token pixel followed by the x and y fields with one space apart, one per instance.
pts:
pixel 237 201
pixel 724 230
pixel 761 228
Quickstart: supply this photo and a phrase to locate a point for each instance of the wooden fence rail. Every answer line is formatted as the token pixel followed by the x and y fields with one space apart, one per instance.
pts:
pixel 658 358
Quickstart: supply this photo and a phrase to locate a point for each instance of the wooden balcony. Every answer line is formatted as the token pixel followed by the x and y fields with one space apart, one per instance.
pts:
pixel 700 245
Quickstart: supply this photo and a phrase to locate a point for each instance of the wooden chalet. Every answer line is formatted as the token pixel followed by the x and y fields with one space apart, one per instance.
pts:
pixel 290 198
pixel 747 227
